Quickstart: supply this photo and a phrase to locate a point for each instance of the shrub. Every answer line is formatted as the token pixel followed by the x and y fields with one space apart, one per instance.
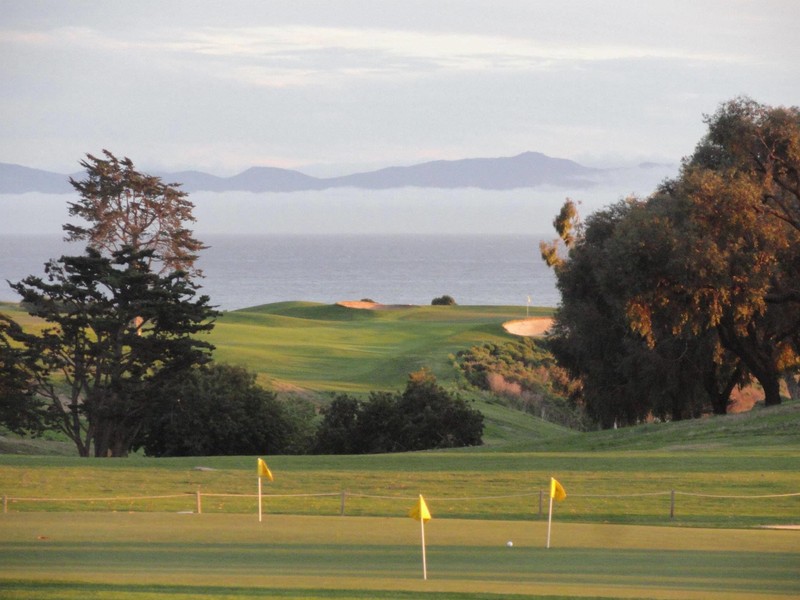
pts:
pixel 422 417
pixel 527 376
pixel 443 301
pixel 218 410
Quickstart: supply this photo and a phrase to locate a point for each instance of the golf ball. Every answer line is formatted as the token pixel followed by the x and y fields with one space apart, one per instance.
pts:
pixel 509 543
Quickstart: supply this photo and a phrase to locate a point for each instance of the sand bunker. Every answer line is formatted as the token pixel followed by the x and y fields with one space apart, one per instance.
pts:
pixel 363 305
pixel 531 327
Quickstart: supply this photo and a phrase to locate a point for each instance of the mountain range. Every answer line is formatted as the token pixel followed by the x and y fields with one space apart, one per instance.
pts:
pixel 526 170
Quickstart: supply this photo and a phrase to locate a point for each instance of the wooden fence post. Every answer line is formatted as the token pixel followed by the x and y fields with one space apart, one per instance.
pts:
pixel 198 502
pixel 344 498
pixel 672 505
pixel 5 504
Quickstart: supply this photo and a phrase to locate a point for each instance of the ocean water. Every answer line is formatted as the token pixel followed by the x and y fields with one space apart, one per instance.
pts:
pixel 249 270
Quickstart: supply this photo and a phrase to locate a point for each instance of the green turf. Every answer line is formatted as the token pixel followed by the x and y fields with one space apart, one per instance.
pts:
pixel 613 536
pixel 333 348
pixel 158 555
pixel 323 347
pixel 619 486
pixel 319 349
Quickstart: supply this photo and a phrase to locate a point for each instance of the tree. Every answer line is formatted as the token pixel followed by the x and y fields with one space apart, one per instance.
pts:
pixel 590 336
pixel 116 333
pixel 763 144
pixel 737 268
pixel 217 410
pixel 443 301
pixel 338 433
pixel 424 416
pixel 20 410
pixel 120 206
pixel 569 228
pixel 619 252
pixel 650 248
pixel 705 272
pixel 378 425
pixel 433 418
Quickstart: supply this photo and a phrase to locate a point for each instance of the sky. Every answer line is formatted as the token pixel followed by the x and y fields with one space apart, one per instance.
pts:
pixel 333 87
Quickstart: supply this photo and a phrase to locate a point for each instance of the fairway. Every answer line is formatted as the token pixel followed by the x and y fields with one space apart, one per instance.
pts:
pixel 155 555
pixel 322 347
pixel 672 511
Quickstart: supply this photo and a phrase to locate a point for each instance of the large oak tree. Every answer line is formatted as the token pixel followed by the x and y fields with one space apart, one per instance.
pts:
pixel 705 272
pixel 736 270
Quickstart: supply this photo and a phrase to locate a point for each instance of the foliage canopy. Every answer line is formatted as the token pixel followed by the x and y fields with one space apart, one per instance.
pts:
pixel 120 206
pixel 116 332
pixel 217 410
pixel 422 417
pixel 669 303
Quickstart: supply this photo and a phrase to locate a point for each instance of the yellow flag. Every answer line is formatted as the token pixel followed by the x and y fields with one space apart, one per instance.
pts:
pixel 263 470
pixel 420 511
pixel 557 492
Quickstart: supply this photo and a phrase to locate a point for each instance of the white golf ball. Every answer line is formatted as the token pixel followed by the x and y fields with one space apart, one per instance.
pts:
pixel 509 543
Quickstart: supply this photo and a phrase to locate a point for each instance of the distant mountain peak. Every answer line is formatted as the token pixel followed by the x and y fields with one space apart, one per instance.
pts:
pixel 525 170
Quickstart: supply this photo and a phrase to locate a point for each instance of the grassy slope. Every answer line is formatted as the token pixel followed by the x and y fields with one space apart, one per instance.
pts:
pixel 223 555
pixel 332 348
pixel 301 347
pixel 312 348
pixel 614 476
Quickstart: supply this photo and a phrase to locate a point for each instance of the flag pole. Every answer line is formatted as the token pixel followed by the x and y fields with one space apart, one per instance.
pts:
pixel 421 513
pixel 259 499
pixel 549 520
pixel 424 561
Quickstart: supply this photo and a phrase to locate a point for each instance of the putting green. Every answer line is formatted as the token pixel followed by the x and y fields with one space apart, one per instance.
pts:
pixel 152 555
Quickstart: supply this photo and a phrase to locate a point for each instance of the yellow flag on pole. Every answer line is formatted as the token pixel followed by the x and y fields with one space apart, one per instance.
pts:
pixel 263 470
pixel 420 511
pixel 557 491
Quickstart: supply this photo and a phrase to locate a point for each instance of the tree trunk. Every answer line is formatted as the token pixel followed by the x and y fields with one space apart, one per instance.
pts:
pixel 772 391
pixel 759 360
pixel 111 439
pixel 720 398
pixel 793 385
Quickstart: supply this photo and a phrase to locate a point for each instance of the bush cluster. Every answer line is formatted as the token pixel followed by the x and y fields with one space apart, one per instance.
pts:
pixel 443 301
pixel 422 417
pixel 221 410
pixel 527 376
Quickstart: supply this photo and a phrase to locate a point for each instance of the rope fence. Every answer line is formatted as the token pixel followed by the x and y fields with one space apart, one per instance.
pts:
pixel 346 495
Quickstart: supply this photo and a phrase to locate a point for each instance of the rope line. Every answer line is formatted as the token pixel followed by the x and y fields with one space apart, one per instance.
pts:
pixel 640 494
pixel 272 495
pixel 105 499
pixel 397 497
pixel 737 497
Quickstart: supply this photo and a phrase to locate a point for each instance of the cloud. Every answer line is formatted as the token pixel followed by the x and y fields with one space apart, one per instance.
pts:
pixel 301 55
pixel 366 52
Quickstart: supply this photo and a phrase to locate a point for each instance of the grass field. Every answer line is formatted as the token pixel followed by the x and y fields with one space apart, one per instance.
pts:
pixel 121 529
pixel 333 348
pixel 615 476
pixel 145 556
pixel 314 350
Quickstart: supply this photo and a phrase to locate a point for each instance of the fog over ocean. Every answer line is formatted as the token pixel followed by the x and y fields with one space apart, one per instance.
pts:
pixel 397 246
pixel 248 270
